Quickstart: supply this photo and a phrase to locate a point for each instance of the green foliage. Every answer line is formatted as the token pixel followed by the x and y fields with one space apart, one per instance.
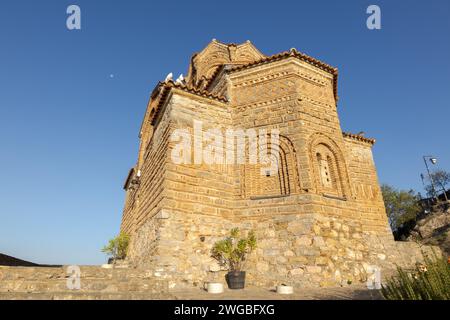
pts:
pixel 441 180
pixel 117 247
pixel 430 281
pixel 401 206
pixel 233 250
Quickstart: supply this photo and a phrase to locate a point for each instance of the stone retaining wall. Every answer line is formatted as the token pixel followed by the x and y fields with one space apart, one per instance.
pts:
pixel 95 283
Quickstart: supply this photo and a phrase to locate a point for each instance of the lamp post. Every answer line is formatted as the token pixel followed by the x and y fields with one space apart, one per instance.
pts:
pixel 433 160
pixel 445 192
pixel 422 177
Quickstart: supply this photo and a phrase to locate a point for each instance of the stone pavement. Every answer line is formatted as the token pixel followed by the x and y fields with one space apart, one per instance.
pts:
pixel 252 293
pixel 355 292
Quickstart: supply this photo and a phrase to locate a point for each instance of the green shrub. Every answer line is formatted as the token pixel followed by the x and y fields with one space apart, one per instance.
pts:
pixel 117 247
pixel 233 251
pixel 429 281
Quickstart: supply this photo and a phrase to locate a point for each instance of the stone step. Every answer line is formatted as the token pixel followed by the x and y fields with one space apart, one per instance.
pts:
pixel 97 285
pixel 94 281
pixel 74 295
pixel 87 272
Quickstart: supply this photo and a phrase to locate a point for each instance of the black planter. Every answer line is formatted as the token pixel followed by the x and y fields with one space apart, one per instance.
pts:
pixel 235 279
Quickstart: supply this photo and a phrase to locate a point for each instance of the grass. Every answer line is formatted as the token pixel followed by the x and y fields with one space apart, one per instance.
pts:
pixel 429 281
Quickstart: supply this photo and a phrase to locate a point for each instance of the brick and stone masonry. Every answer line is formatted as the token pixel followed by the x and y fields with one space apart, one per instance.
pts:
pixel 320 219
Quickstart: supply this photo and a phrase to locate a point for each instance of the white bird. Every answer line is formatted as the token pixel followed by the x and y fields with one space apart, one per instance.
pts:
pixel 169 77
pixel 180 79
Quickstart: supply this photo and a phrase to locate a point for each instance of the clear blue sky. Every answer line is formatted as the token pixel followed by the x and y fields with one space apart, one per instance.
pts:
pixel 68 130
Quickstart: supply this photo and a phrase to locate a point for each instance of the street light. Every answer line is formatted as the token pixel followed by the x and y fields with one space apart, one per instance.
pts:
pixel 433 160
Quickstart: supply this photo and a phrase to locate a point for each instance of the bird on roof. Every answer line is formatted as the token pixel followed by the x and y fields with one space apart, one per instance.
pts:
pixel 180 79
pixel 361 133
pixel 169 77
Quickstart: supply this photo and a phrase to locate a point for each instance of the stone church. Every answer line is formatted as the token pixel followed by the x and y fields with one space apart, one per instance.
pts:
pixel 319 219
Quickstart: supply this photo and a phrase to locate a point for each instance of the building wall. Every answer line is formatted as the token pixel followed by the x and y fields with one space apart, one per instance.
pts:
pixel 323 224
pixel 145 202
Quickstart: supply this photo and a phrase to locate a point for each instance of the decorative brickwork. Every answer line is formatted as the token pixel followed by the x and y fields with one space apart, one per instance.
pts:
pixel 319 218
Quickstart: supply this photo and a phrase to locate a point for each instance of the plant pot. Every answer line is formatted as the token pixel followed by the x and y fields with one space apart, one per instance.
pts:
pixel 235 279
pixel 283 289
pixel 214 287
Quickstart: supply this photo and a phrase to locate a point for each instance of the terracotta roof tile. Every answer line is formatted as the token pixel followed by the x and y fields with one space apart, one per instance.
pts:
pixel 197 91
pixel 164 89
pixel 279 56
pixel 358 137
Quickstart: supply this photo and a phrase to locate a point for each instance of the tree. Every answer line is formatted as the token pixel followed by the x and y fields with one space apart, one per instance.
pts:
pixel 401 206
pixel 441 179
pixel 117 247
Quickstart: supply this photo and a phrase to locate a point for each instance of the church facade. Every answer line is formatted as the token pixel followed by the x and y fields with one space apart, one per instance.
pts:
pixel 319 217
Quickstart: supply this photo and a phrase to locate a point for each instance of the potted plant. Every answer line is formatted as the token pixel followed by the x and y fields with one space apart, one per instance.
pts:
pixel 232 252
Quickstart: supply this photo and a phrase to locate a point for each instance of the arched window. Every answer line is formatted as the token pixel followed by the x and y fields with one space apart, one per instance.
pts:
pixel 329 177
pixel 324 170
pixel 277 176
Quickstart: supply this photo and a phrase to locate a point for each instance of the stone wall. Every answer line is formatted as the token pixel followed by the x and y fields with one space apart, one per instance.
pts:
pixel 145 200
pixel 95 283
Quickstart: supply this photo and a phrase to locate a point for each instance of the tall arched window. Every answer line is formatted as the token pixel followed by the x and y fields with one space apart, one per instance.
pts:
pixel 329 176
pixel 260 181
pixel 324 171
